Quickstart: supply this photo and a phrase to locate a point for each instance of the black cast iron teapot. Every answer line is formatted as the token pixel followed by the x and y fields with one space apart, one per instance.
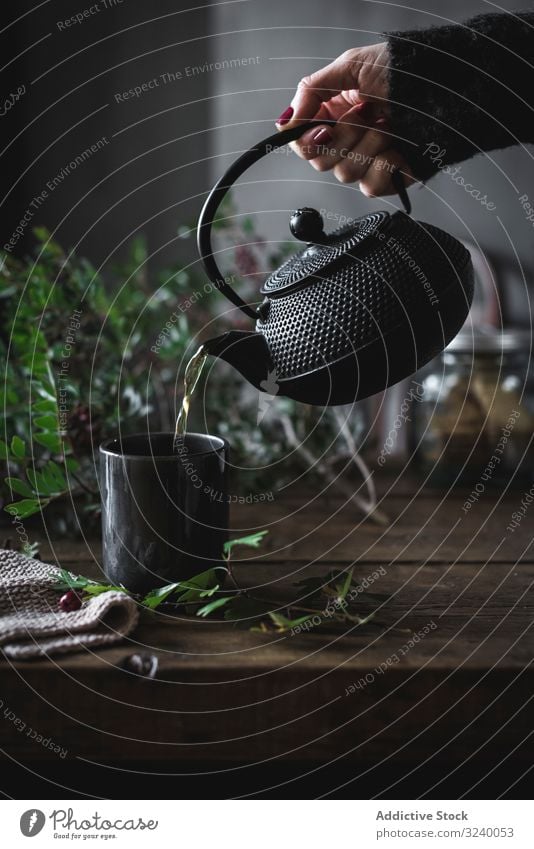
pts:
pixel 352 313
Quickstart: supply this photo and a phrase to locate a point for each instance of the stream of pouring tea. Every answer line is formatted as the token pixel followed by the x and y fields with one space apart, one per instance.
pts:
pixel 193 371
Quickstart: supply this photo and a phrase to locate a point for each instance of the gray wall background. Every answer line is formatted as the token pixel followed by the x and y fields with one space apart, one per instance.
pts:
pixel 169 145
pixel 148 178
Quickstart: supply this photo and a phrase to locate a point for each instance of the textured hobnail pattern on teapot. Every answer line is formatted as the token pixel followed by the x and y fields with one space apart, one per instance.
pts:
pixel 316 258
pixel 315 325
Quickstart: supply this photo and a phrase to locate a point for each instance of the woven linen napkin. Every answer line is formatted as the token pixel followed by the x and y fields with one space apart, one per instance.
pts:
pixel 31 623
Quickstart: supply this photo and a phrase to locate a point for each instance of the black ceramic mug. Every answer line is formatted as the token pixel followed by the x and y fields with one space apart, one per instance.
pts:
pixel 164 513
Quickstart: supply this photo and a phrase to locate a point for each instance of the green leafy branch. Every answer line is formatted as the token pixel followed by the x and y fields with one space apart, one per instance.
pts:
pixel 330 600
pixel 38 482
pixel 39 486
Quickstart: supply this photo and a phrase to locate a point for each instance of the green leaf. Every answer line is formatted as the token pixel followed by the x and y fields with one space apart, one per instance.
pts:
pixel 46 422
pixel 3 450
pixel 65 580
pixel 33 478
pixel 70 580
pixel 71 464
pixel 42 234
pixel 155 597
pixel 200 586
pixel 214 605
pixel 53 476
pixel 344 588
pixel 47 485
pixel 43 381
pixel 253 541
pixel 44 392
pixel 26 507
pixel 284 624
pixel 8 397
pixel 20 487
pixel 45 406
pixel 41 484
pixel 195 589
pixel 50 440
pixel 31 549
pixel 18 448
pixel 98 589
pixel 37 362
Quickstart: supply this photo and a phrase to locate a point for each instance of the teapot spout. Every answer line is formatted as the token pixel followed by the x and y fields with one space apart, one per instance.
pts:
pixel 246 351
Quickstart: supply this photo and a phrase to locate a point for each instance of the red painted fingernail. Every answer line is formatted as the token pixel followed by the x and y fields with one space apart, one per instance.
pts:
pixel 286 116
pixel 322 136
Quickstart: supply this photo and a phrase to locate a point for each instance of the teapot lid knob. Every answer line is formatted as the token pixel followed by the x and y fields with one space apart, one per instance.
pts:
pixel 307 225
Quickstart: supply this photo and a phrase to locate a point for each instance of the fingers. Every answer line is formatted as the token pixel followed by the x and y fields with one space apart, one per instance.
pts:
pixel 312 91
pixel 355 162
pixel 377 179
pixel 305 146
pixel 352 91
pixel 325 145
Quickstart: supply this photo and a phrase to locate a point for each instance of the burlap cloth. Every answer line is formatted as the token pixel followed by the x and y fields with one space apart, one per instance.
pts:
pixel 31 623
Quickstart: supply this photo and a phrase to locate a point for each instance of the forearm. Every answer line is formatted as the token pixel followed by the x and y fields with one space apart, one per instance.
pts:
pixel 461 89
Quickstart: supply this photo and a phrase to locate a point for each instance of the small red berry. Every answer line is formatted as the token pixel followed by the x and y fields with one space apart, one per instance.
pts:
pixel 70 601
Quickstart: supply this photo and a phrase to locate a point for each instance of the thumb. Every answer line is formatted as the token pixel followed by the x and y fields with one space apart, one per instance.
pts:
pixel 312 91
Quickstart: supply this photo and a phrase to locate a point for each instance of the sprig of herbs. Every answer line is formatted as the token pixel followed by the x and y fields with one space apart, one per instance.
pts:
pixel 327 600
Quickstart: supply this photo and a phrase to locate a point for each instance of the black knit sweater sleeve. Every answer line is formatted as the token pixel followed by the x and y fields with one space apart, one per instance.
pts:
pixel 461 89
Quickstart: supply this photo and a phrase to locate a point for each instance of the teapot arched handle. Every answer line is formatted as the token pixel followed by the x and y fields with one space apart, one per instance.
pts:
pixel 215 197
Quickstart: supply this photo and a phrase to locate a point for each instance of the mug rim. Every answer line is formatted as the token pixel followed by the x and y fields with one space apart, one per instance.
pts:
pixel 105 447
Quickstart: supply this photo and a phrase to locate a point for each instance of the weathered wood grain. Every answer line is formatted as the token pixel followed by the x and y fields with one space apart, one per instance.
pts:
pixel 419 528
pixel 227 695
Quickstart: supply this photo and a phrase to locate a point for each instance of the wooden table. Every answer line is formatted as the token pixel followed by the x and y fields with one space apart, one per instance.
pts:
pixel 234 713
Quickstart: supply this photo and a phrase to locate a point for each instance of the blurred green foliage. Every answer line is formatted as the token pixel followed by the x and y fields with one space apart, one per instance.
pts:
pixel 83 358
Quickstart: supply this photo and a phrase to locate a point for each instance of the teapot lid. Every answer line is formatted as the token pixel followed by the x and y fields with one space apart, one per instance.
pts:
pixel 323 250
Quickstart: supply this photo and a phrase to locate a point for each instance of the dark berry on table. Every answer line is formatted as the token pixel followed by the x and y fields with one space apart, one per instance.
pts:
pixel 70 601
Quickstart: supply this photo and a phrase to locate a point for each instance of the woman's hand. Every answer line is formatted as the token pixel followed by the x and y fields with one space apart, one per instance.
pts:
pixel 353 91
